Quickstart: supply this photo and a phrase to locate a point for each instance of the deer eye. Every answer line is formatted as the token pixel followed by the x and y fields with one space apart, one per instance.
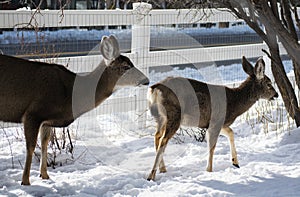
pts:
pixel 269 86
pixel 127 67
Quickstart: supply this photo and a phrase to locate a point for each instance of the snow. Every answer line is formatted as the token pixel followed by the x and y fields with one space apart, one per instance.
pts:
pixel 112 160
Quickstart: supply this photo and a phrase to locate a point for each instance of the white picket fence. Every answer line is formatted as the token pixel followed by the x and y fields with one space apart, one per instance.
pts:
pixel 141 18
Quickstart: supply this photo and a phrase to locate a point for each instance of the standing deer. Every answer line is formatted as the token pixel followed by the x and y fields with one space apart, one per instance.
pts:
pixel 179 101
pixel 42 95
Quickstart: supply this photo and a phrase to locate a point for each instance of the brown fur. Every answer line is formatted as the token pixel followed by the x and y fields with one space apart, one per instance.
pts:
pixel 42 95
pixel 179 101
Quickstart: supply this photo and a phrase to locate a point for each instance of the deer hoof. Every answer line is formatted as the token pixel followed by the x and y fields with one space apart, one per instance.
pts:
pixel 209 169
pixel 25 183
pixel 236 165
pixel 163 170
pixel 149 179
pixel 44 176
pixel 151 176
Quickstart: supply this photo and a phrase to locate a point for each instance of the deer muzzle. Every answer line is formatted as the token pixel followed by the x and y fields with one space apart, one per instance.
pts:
pixel 275 96
pixel 144 82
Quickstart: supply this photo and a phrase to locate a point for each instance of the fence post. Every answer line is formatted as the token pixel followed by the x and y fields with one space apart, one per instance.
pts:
pixel 140 43
pixel 140 47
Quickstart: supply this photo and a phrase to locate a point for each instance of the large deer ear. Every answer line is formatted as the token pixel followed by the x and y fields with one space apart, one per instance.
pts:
pixel 259 69
pixel 248 68
pixel 109 48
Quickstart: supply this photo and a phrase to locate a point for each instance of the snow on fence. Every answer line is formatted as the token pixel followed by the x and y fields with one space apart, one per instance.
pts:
pixel 140 20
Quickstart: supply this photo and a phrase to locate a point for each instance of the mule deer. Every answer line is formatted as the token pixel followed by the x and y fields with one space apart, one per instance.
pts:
pixel 179 101
pixel 42 95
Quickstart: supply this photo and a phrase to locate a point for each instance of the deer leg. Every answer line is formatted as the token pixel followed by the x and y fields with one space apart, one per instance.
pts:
pixel 162 166
pixel 212 135
pixel 31 129
pixel 45 136
pixel 158 158
pixel 158 135
pixel 167 132
pixel 210 159
pixel 159 139
pixel 227 131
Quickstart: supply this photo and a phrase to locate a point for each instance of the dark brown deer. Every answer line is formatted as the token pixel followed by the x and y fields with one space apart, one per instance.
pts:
pixel 176 102
pixel 42 95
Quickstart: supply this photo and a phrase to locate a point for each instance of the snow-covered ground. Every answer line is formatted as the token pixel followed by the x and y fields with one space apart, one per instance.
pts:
pixel 114 161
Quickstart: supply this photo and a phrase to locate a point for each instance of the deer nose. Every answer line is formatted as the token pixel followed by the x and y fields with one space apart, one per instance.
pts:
pixel 275 96
pixel 145 82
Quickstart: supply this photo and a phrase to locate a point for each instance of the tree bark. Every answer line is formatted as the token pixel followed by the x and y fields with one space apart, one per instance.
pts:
pixel 284 85
pixel 287 16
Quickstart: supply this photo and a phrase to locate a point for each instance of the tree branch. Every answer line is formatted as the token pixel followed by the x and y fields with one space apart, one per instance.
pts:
pixel 288 18
pixel 296 16
pixel 240 12
pixel 273 23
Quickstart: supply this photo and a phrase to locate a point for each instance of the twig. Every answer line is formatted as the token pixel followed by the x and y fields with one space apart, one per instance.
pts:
pixel 10 148
pixel 70 140
pixel 269 56
pixel 32 19
pixel 197 133
pixel 64 138
pixel 7 1
pixel 141 114
pixel 20 163
pixel 55 139
pixel 62 8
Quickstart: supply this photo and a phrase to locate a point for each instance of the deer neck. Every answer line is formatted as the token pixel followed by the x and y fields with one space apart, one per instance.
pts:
pixel 106 80
pixel 242 98
pixel 92 89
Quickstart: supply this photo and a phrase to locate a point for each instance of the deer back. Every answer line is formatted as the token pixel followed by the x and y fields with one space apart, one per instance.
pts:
pixel 24 84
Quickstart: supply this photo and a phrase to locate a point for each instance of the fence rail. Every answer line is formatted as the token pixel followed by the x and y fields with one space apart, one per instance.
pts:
pixel 86 18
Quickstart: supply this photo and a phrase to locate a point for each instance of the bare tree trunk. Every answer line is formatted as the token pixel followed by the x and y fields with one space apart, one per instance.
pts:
pixel 289 23
pixel 285 87
pixel 282 81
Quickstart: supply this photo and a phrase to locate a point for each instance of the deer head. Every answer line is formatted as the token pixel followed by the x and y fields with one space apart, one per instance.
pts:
pixel 130 76
pixel 263 84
